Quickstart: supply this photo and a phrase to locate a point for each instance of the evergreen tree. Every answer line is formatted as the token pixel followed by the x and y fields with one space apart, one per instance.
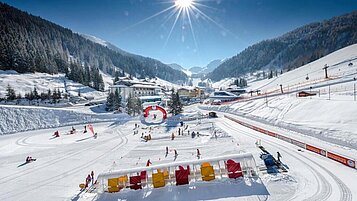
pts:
pixel 175 105
pixel 116 77
pixel 35 93
pixel 10 93
pixel 110 102
pixel 130 105
pixel 117 100
pixel 18 96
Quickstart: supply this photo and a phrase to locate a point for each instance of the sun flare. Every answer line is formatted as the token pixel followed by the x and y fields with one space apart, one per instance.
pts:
pixel 183 3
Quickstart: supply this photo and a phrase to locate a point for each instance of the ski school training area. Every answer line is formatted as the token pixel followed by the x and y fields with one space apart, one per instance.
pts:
pixel 245 100
pixel 208 152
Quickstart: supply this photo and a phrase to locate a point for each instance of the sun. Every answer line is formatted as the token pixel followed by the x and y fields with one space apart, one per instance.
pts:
pixel 184 3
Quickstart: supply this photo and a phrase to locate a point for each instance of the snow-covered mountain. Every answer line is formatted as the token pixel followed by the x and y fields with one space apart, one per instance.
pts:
pixel 197 71
pixel 105 44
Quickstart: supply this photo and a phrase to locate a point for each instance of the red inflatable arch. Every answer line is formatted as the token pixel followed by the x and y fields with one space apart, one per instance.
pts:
pixel 146 111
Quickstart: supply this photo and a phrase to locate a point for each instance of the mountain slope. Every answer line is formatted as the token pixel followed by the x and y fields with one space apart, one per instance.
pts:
pixel 294 49
pixel 32 44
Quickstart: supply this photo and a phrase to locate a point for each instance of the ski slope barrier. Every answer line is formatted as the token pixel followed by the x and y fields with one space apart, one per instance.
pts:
pixel 349 162
pixel 17 118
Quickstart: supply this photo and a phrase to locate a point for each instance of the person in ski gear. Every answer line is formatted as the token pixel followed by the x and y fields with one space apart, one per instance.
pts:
pixel 278 156
pixel 198 154
pixel 88 180
pixel 167 150
pixel 72 131
pixel 148 163
pixel 56 134
pixel 172 136
pixel 92 175
pixel 95 135
pixel 27 159
pixel 176 154
pixel 85 129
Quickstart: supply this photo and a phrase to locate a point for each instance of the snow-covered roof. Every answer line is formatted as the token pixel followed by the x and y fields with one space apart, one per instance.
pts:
pixel 145 86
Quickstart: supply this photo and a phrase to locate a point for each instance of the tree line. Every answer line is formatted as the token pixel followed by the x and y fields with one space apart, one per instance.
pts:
pixel 53 95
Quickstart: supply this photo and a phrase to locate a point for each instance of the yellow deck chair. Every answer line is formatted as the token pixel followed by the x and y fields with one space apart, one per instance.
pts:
pixel 123 180
pixel 207 172
pixel 165 172
pixel 113 185
pixel 158 179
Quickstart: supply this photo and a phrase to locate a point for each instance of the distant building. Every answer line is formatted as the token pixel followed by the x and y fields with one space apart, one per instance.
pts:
pixel 191 92
pixel 135 88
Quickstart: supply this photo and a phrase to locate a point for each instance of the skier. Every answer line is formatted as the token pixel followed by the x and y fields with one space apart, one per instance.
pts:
pixel 95 135
pixel 179 131
pixel 188 132
pixel 27 159
pixel 56 134
pixel 148 163
pixel 88 180
pixel 279 156
pixel 85 129
pixel 198 154
pixel 193 135
pixel 73 130
pixel 167 151
pixel 172 136
pixel 92 175
pixel 176 154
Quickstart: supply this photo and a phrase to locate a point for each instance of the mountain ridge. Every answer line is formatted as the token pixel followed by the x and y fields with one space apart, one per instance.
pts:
pixel 29 43
pixel 292 49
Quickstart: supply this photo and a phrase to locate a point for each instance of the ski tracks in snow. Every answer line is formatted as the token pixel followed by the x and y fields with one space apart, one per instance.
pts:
pixel 324 189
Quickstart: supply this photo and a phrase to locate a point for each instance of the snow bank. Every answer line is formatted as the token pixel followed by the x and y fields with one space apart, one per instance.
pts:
pixel 16 119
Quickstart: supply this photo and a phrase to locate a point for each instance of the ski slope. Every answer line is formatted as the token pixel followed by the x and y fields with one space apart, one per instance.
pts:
pixel 64 162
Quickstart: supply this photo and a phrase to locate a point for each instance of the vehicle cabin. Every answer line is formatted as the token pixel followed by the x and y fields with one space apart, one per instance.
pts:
pixel 306 94
pixel 212 115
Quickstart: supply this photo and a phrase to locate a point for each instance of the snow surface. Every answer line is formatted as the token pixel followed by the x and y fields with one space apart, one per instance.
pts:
pixel 64 162
pixel 22 118
pixel 327 120
pixel 24 83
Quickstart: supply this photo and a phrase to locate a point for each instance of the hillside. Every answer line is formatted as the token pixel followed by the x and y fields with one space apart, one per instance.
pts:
pixel 32 44
pixel 328 116
pixel 294 49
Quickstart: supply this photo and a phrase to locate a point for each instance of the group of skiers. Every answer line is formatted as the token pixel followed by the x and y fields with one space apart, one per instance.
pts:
pixel 72 131
pixel 90 179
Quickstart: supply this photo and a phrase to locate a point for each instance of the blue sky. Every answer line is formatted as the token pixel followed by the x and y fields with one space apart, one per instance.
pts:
pixel 232 27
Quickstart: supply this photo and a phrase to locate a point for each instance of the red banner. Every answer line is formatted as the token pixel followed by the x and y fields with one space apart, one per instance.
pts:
pixel 341 159
pixel 316 150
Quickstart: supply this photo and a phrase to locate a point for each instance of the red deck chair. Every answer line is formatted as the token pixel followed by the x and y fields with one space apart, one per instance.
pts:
pixel 135 182
pixel 234 169
pixel 143 175
pixel 182 176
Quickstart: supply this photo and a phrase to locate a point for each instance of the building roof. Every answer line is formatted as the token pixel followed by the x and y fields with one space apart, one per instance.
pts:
pixel 118 86
pixel 145 86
